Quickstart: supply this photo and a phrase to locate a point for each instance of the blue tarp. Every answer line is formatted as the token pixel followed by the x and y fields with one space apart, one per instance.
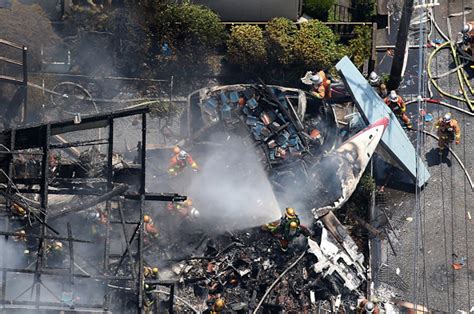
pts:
pixel 372 108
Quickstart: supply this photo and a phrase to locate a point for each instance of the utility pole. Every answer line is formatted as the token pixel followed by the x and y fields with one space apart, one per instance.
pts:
pixel 400 46
pixel 25 84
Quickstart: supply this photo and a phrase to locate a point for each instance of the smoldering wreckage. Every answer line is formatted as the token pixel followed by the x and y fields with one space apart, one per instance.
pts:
pixel 89 228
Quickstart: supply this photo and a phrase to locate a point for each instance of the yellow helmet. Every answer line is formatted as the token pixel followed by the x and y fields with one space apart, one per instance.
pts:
pixel 188 202
pixel 155 270
pixel 176 149
pixel 146 218
pixel 293 225
pixel 290 212
pixel 219 304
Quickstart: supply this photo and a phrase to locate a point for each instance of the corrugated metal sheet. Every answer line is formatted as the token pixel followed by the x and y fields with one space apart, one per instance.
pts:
pixel 372 108
pixel 253 10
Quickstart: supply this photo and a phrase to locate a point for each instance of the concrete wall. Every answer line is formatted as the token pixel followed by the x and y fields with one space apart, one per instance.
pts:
pixel 253 10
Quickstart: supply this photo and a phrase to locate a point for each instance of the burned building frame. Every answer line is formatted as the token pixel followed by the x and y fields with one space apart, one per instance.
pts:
pixel 39 141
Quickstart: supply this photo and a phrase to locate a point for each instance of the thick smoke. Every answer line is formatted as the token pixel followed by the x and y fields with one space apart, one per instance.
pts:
pixel 232 190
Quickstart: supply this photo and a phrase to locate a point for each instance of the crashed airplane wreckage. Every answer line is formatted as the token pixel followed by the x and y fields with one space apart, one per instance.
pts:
pixel 292 135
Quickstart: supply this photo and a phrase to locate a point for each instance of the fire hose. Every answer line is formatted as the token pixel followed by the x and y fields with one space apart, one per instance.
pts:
pixel 460 73
pixel 440 102
pixel 460 77
pixel 454 155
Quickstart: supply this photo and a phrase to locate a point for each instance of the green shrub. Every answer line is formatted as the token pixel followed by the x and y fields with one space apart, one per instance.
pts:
pixel 361 46
pixel 246 47
pixel 315 46
pixel 189 30
pixel 318 8
pixel 279 35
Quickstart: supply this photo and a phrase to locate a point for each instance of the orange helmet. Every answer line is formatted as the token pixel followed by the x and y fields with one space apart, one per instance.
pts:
pixel 293 225
pixel 146 218
pixel 314 133
pixel 176 150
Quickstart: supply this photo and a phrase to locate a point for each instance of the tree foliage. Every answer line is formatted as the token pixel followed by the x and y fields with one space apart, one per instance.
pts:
pixel 188 29
pixel 246 47
pixel 316 47
pixel 279 40
pixel 88 18
pixel 318 8
pixel 26 25
pixel 363 10
pixel 361 46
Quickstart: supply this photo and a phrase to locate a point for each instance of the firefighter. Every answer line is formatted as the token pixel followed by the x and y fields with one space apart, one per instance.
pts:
pixel 149 227
pixel 149 288
pixel 184 209
pixel 179 161
pixel 376 82
pixel 18 210
pixel 54 160
pixel 365 306
pixel 468 36
pixel 321 86
pixel 287 228
pixel 398 106
pixel 217 306
pixel 98 219
pixel 20 236
pixel 55 253
pixel 448 131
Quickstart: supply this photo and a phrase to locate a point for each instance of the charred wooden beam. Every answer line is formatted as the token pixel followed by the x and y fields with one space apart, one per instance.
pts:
pixel 141 277
pixel 64 273
pixel 10 80
pixel 78 144
pixel 52 306
pixel 372 230
pixel 44 207
pixel 70 209
pixel 34 236
pixel 39 219
pixel 71 255
pixel 31 136
pixel 10 44
pixel 162 197
pixel 125 233
pixel 61 191
pixel 137 229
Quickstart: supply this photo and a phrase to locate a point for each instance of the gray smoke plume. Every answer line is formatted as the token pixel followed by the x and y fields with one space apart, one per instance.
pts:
pixel 231 188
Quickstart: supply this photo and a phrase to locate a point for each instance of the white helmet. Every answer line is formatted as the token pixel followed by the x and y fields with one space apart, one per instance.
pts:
pixel 447 118
pixel 194 213
pixel 182 155
pixel 374 78
pixel 316 79
pixel 393 96
pixel 369 307
pixel 467 28
pixel 93 215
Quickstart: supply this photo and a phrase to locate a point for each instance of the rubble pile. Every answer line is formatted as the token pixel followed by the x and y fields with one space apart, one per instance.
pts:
pixel 240 267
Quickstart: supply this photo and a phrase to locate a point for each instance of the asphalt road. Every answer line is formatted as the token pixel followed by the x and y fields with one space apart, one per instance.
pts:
pixel 424 254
